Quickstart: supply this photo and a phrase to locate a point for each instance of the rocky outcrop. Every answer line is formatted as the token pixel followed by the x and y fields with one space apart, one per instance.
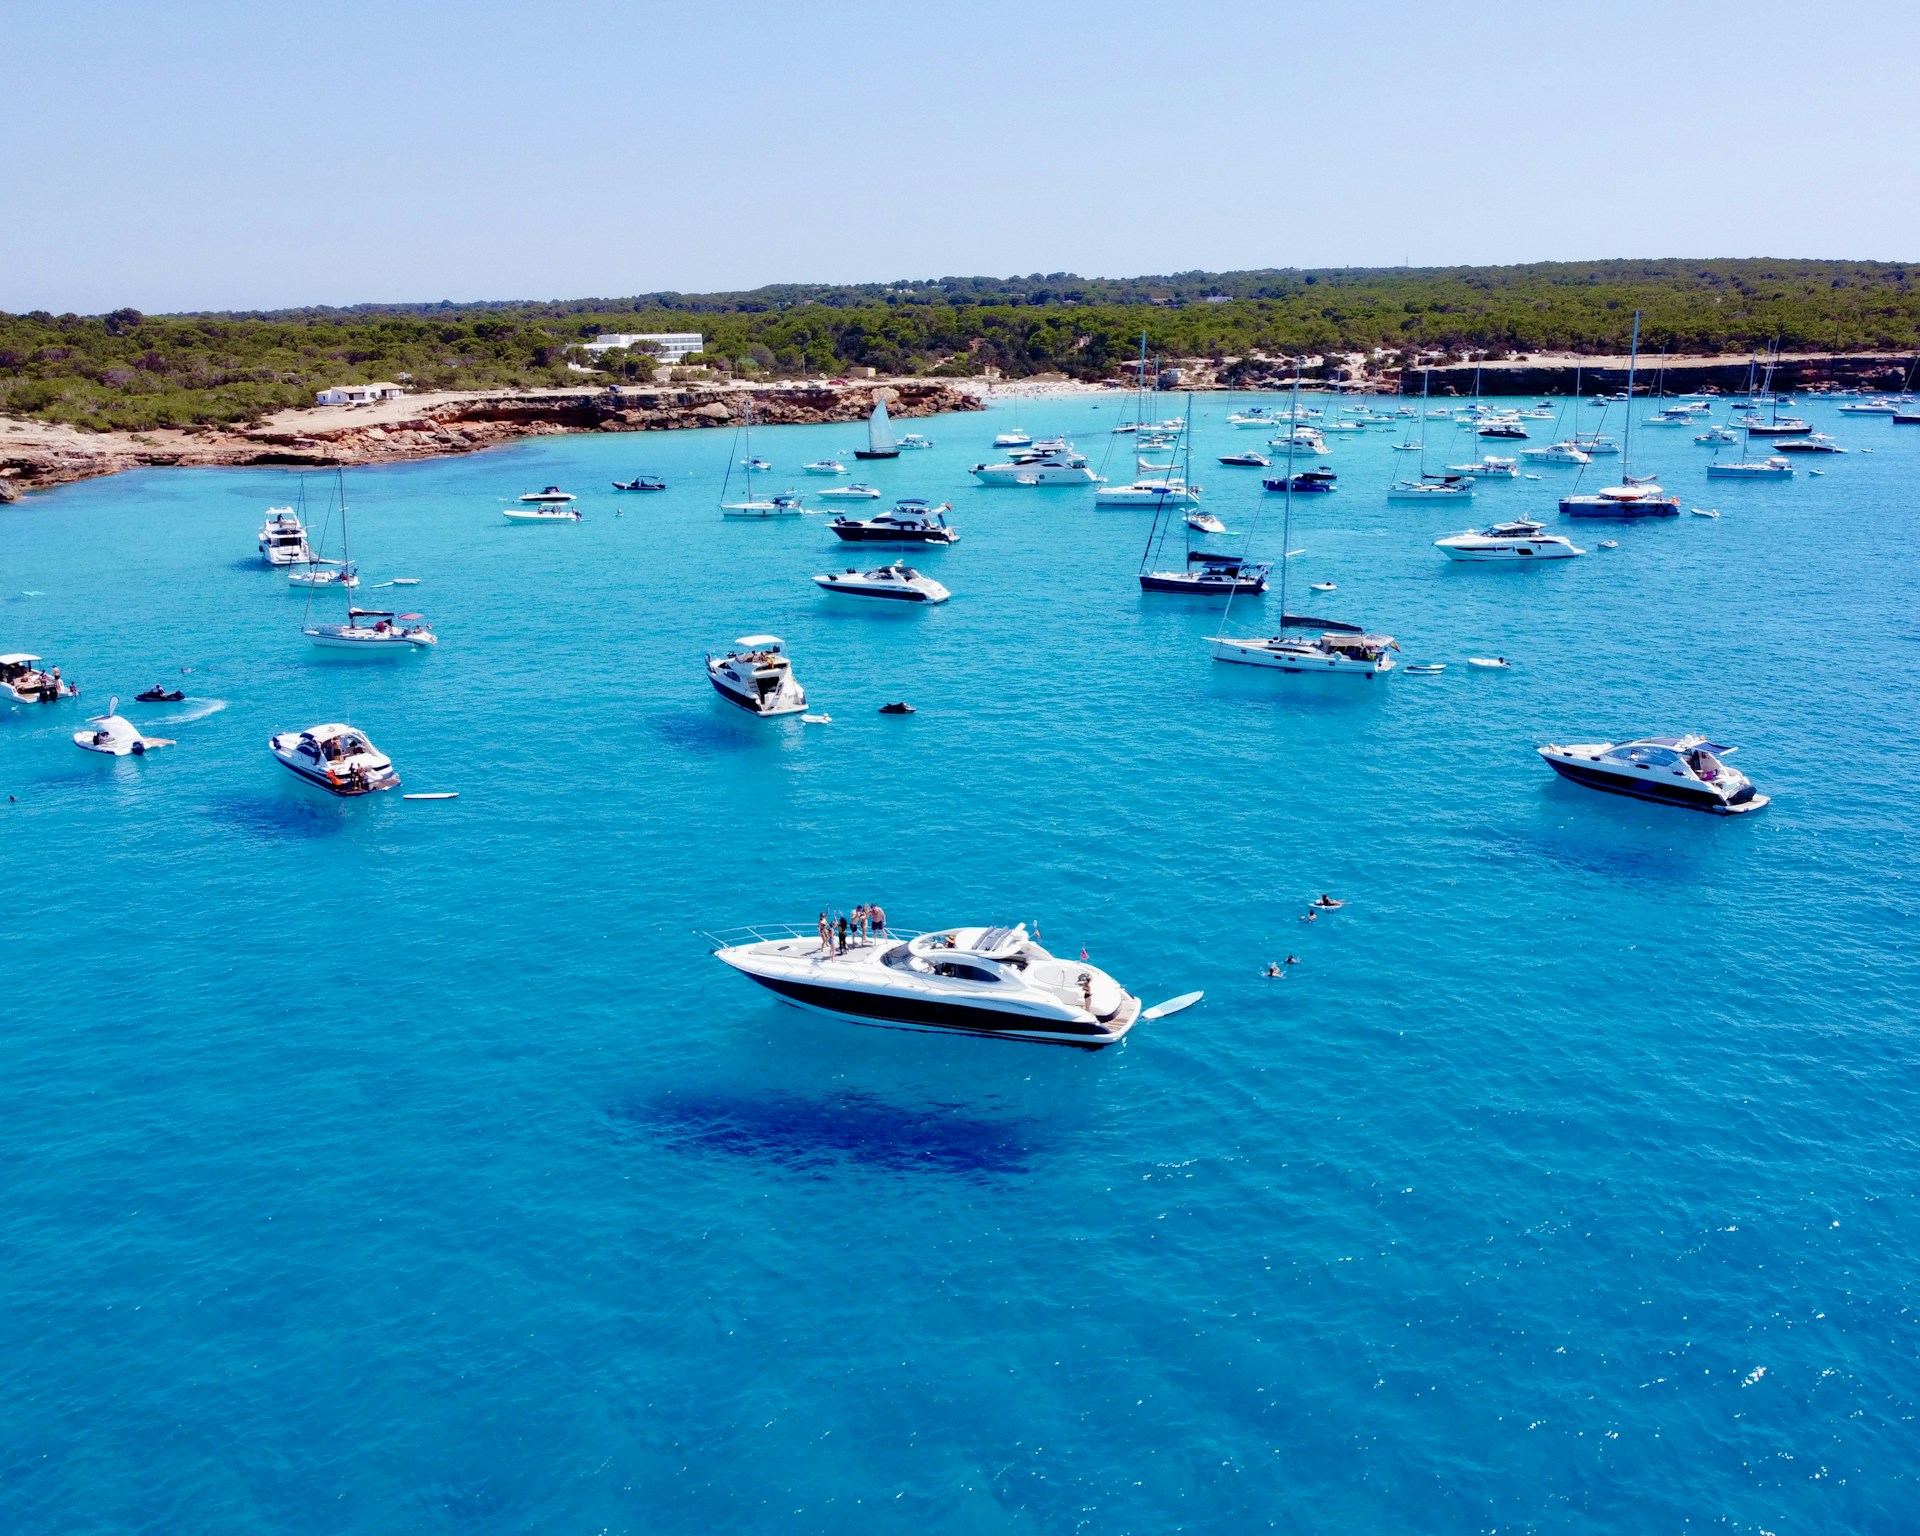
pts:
pixel 34 455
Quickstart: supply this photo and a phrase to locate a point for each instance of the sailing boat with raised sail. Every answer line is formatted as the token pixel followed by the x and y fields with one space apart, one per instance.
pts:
pixel 370 632
pixel 787 504
pixel 1339 649
pixel 1632 498
pixel 880 443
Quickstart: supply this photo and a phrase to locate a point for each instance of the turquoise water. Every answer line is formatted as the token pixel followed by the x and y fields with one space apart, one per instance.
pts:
pixel 388 1166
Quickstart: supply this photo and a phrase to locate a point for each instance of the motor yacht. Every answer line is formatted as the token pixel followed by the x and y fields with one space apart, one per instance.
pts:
pixel 1432 488
pixel 1307 482
pixel 824 467
pixel 1013 439
pixel 1342 426
pixel 1302 440
pixel 26 679
pixel 758 677
pixel 1501 426
pixel 1520 540
pixel 1342 652
pixel 786 504
pixel 896 583
pixel 1716 436
pixel 283 540
pixel 1672 416
pixel 336 758
pixel 914 440
pixel 1256 416
pixel 1813 442
pixel 1059 466
pixel 374 632
pixel 1159 492
pixel 853 491
pixel 911 521
pixel 756 466
pixel 552 496
pixel 1205 522
pixel 1249 460
pixel 1771 468
pixel 1210 575
pixel 1640 499
pixel 534 509
pixel 1676 770
pixel 1490 467
pixel 1595 444
pixel 1869 408
pixel 973 980
pixel 116 736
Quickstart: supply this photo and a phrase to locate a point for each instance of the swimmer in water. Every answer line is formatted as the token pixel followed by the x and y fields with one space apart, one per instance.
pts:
pixel 1327 901
pixel 1293 959
pixel 1273 970
pixel 1310 916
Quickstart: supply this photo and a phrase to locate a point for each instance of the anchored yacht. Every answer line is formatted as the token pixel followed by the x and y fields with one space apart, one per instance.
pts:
pixel 1773 467
pixel 374 632
pixel 1165 490
pixel 1489 467
pixel 1210 575
pixel 786 504
pixel 911 521
pixel 757 677
pixel 1678 770
pixel 1342 651
pixel 896 583
pixel 1639 498
pixel 336 758
pixel 1521 540
pixel 1060 465
pixel 552 505
pixel 283 540
pixel 974 980
pixel 1557 453
pixel 25 679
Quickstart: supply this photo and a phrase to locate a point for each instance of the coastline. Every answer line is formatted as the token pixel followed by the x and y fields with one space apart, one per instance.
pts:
pixel 37 455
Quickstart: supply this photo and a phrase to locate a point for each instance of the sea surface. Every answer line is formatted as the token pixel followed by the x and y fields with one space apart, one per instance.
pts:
pixel 388 1166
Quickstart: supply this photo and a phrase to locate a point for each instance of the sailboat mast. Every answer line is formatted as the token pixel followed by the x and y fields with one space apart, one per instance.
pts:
pixel 1286 511
pixel 1626 446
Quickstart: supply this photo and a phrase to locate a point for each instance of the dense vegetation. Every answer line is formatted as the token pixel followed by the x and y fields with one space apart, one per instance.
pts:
pixel 130 370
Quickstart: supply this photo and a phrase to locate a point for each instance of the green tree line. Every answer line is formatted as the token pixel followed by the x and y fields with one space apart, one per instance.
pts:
pixel 130 370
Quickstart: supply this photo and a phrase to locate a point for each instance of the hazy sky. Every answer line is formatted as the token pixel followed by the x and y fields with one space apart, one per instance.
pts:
pixel 176 156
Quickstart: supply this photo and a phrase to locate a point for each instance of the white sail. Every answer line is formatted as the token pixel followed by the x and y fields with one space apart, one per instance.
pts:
pixel 879 435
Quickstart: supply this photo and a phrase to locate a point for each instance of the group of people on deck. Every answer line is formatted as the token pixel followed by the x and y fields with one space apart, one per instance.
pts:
pixel 861 926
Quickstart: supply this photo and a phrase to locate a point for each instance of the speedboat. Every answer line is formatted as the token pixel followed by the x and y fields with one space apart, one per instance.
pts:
pixel 1813 442
pixel 974 980
pixel 1205 522
pixel 1771 468
pixel 914 440
pixel 824 467
pixel 758 677
pixel 116 736
pixel 786 504
pixel 1717 435
pixel 336 758
pixel 1679 770
pixel 1432 488
pixel 1302 440
pixel 552 496
pixel 1210 575
pixel 1060 466
pixel 1248 460
pixel 1490 467
pixel 283 541
pixel 1502 426
pixel 1343 426
pixel 1148 493
pixel 1520 540
pixel 910 522
pixel 1307 482
pixel 641 483
pixel 1255 416
pixel 1870 408
pixel 1672 416
pixel 1642 498
pixel 387 634
pixel 324 573
pixel 26 681
pixel 1344 651
pixel 534 509
pixel 758 466
pixel 851 492
pixel 1013 439
pixel 896 583
pixel 1415 446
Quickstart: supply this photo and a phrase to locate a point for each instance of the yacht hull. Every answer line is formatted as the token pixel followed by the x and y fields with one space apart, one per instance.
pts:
pixel 1617 511
pixel 858 534
pixel 753 706
pixel 869 453
pixel 937 1016
pixel 1246 654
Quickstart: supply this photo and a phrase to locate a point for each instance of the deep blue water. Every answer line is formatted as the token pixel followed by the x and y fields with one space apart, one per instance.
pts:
pixel 390 1166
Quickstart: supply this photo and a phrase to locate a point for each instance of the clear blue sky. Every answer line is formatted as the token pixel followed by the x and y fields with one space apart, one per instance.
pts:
pixel 173 156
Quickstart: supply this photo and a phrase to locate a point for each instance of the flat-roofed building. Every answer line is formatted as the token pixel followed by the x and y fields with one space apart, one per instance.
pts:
pixel 357 394
pixel 673 345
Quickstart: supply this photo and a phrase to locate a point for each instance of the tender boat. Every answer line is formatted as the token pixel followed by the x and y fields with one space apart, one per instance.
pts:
pixel 1676 770
pixel 324 573
pixel 786 504
pixel 283 540
pixel 1519 540
pixel 1248 460
pixel 25 680
pixel 336 758
pixel 911 521
pixel 1432 488
pixel 535 509
pixel 1308 482
pixel 1424 668
pixel 824 467
pixel 854 491
pixel 1205 522
pixel 1490 663
pixel 1771 468
pixel 757 466
pixel 880 443
pixel 1013 439
pixel 757 677
pixel 116 736
pixel 374 632
pixel 1343 651
pixel 641 483
pixel 972 980
pixel 1059 466
pixel 896 583
pixel 1210 575
pixel 1595 444
pixel 1490 467
pixel 1716 435
pixel 552 496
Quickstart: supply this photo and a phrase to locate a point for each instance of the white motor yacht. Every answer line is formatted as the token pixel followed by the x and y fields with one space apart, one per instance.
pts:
pixel 1167 490
pixel 26 679
pixel 1521 540
pixel 1205 522
pixel 1062 465
pixel 1716 436
pixel 116 736
pixel 336 758
pixel 1870 408
pixel 758 677
pixel 973 980
pixel 1256 416
pixel 914 440
pixel 911 521
pixel 1672 416
pixel 853 492
pixel 1013 439
pixel 1813 442
pixel 896 583
pixel 283 540
pixel 552 505
pixel 824 467
pixel 374 632
pixel 786 504
pixel 1341 653
pixel 1595 444
pixel 1676 770
pixel 1301 440
pixel 1489 467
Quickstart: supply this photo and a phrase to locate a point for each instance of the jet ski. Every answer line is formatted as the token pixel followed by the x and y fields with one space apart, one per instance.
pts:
pixel 158 695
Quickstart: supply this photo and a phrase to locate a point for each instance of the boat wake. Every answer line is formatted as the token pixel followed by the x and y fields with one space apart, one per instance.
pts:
pixel 200 712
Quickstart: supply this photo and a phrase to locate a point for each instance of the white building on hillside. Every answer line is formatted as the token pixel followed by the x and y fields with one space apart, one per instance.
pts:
pixel 673 345
pixel 358 394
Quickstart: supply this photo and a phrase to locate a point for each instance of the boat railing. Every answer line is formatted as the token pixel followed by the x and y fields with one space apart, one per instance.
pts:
pixel 767 933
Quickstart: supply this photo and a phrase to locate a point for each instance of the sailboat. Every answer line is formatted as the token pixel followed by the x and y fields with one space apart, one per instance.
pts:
pixel 1451 486
pixel 1631 498
pixel 1339 649
pixel 1205 573
pixel 880 443
pixel 785 505
pixel 369 632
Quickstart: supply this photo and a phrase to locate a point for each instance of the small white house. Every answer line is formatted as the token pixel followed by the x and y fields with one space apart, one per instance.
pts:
pixel 673 345
pixel 358 394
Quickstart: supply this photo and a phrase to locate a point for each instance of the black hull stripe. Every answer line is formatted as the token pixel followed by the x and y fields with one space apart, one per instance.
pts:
pixel 925 1013
pixel 1637 789
pixel 890 597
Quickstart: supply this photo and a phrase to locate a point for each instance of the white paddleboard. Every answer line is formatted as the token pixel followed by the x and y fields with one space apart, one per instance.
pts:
pixel 1172 1005
pixel 452 794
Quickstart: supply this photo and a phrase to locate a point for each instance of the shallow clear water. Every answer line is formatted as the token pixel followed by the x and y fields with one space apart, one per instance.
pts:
pixel 391 1166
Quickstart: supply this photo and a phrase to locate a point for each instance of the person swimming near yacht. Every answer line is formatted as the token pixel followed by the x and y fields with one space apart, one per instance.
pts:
pixel 1293 960
pixel 1273 971
pixel 1328 902
pixel 1310 916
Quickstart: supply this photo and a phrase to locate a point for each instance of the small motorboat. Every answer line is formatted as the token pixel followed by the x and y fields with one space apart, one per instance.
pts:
pixel 899 708
pixel 897 583
pixel 1609 543
pixel 1705 511
pixel 325 573
pixel 1676 770
pixel 1014 439
pixel 159 695
pixel 824 467
pixel 911 521
pixel 1308 482
pixel 534 510
pixel 913 440
pixel 1490 663
pixel 1409 447
pixel 552 496
pixel 1205 522
pixel 1488 467
pixel 853 492
pixel 758 677
pixel 116 736
pixel 336 758
pixel 25 680
pixel 1813 442
pixel 641 483
pixel 758 466
pixel 1424 668
pixel 1248 460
